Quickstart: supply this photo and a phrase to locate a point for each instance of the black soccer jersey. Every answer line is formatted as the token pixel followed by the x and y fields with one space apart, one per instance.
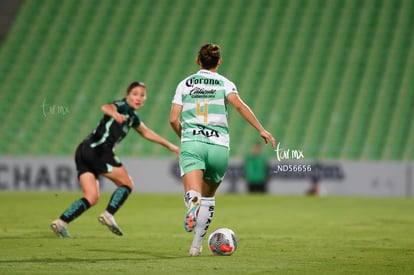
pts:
pixel 109 133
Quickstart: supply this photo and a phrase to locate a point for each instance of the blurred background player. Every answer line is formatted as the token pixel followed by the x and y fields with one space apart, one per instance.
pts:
pixel 314 187
pixel 199 117
pixel 256 170
pixel 95 156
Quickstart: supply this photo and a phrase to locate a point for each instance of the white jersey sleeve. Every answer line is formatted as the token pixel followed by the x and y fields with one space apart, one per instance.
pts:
pixel 178 95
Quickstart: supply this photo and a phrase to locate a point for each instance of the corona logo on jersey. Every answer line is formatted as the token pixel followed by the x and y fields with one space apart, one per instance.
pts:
pixel 201 80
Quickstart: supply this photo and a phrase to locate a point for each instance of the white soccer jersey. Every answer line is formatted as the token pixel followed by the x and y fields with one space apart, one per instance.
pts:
pixel 203 97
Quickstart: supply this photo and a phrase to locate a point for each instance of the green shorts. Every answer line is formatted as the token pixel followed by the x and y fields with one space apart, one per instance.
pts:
pixel 212 159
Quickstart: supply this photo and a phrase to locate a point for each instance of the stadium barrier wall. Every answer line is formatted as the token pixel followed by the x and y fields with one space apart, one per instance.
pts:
pixel 153 175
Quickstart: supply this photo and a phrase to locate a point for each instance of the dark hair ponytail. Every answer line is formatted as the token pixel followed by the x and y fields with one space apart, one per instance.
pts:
pixel 209 55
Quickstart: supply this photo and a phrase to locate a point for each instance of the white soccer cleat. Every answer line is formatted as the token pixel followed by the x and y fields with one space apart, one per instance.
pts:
pixel 190 219
pixel 109 221
pixel 60 229
pixel 195 251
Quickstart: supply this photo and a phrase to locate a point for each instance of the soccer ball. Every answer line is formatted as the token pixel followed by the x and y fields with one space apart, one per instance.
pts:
pixel 222 242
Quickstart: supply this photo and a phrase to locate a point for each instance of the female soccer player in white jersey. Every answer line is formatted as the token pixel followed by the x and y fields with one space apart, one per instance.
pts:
pixel 95 156
pixel 199 117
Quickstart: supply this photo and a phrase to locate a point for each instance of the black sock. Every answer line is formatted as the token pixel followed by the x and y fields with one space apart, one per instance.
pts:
pixel 118 198
pixel 75 210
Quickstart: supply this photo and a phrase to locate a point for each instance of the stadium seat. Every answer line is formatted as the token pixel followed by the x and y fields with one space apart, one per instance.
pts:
pixel 333 79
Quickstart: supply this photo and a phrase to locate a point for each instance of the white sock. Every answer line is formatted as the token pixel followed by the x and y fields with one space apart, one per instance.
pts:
pixel 204 219
pixel 189 196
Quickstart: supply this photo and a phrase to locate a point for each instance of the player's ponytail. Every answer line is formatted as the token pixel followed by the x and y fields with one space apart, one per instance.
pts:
pixel 209 55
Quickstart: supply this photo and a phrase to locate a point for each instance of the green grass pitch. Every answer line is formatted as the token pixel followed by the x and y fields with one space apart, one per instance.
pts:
pixel 277 235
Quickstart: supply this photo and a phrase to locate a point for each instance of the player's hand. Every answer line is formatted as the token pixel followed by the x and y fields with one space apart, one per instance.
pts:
pixel 268 138
pixel 174 149
pixel 119 117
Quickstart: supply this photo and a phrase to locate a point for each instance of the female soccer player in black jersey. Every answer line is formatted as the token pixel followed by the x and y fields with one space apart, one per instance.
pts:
pixel 95 156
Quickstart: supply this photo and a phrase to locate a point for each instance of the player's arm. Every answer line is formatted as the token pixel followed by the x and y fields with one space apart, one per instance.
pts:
pixel 110 110
pixel 250 117
pixel 150 135
pixel 175 118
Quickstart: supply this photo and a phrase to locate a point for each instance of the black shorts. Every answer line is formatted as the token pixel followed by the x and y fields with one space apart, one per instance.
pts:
pixel 97 160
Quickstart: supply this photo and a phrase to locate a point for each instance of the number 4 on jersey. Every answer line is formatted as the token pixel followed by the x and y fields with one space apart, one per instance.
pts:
pixel 203 113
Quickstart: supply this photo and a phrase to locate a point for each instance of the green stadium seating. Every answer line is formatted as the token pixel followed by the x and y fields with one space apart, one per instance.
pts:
pixel 332 78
